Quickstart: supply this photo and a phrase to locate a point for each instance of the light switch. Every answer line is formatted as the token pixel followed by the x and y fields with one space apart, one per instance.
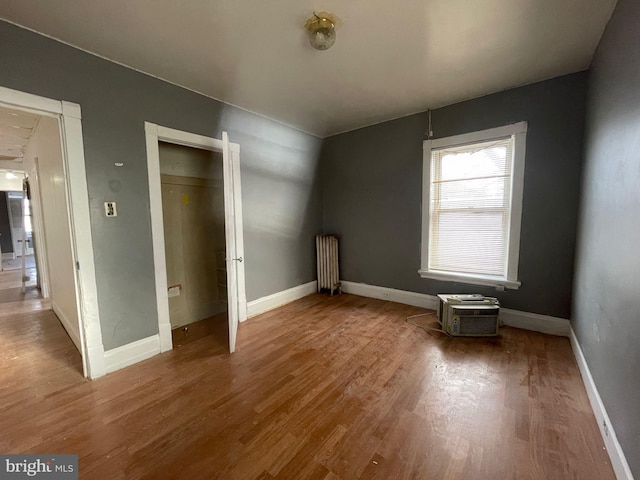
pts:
pixel 110 209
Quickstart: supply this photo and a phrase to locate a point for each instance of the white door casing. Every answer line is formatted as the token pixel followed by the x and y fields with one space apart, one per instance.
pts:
pixel 70 126
pixel 233 224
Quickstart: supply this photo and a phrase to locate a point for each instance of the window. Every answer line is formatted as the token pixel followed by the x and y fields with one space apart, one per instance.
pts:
pixel 471 206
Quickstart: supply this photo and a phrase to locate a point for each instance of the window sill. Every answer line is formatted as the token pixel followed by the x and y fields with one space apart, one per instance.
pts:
pixel 471 279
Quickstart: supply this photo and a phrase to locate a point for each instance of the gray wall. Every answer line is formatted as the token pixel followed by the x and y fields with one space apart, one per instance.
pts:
pixel 372 181
pixel 280 190
pixel 606 301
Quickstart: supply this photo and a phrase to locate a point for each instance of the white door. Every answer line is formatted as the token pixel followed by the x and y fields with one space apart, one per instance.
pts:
pixel 42 269
pixel 15 202
pixel 234 239
pixel 27 234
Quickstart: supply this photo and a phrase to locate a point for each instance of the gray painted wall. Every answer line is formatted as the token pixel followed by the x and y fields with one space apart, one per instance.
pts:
pixel 280 188
pixel 606 301
pixel 372 192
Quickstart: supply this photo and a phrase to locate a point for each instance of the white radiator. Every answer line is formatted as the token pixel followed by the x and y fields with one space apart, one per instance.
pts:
pixel 327 254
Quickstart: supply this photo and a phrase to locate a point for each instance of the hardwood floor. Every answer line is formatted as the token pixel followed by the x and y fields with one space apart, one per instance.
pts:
pixel 324 388
pixel 217 326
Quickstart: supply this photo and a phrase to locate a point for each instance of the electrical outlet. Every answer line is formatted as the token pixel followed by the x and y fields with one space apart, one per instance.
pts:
pixel 386 295
pixel 605 427
pixel 110 209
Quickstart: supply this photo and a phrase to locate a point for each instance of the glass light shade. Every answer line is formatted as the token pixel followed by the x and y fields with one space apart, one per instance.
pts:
pixel 322 32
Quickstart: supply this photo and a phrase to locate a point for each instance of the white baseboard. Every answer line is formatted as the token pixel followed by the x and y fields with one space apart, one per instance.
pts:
pixel 264 304
pixel 131 353
pixel 384 293
pixel 72 328
pixel 512 318
pixel 535 322
pixel 95 362
pixel 618 459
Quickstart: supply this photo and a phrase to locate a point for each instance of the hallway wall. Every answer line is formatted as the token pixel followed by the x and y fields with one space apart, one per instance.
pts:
pixel 45 146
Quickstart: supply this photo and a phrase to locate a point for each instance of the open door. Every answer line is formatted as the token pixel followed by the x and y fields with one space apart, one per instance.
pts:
pixel 234 238
pixel 40 247
pixel 234 250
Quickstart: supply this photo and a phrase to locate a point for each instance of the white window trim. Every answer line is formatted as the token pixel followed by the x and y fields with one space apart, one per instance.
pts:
pixel 519 131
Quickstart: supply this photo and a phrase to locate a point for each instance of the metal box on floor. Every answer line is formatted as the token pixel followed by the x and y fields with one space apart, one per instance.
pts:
pixel 469 315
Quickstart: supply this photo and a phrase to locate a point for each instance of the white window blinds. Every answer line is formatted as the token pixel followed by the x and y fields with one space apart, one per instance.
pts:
pixel 470 207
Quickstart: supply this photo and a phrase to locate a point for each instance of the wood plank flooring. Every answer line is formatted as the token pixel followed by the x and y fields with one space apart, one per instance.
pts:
pixel 324 388
pixel 216 326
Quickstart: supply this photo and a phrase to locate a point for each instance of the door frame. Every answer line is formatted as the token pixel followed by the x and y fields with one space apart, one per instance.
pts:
pixel 233 210
pixel 70 127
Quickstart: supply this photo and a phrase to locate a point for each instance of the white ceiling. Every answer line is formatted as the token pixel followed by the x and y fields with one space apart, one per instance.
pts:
pixel 16 128
pixel 390 58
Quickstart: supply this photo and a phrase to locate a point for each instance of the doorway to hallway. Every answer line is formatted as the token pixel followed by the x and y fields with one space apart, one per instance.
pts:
pixel 61 216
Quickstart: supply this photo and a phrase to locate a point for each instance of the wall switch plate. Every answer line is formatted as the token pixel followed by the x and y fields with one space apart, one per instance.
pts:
pixel 110 209
pixel 174 290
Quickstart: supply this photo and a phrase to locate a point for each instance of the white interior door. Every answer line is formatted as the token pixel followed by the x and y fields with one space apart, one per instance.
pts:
pixel 32 174
pixel 233 231
pixel 15 205
pixel 27 225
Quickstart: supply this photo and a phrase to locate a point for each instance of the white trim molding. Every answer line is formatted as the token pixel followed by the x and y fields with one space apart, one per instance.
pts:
pixel 469 279
pixel 31 103
pixel 512 318
pixel 535 322
pixel 509 277
pixel 616 454
pixel 393 295
pixel 479 136
pixel 131 353
pixel 82 240
pixel 264 304
pixel 157 236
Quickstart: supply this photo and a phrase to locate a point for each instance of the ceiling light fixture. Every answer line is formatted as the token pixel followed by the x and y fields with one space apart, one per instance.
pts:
pixel 322 30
